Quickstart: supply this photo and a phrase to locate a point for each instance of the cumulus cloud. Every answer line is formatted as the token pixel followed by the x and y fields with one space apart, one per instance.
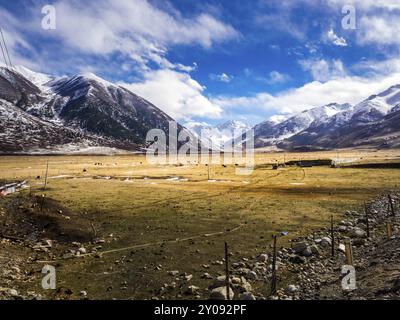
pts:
pixel 379 29
pixel 347 89
pixel 323 70
pixel 136 28
pixel 276 77
pixel 176 93
pixel 335 39
pixel 223 77
pixel 368 4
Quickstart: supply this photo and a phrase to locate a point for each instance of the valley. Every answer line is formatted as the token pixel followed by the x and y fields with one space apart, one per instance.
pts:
pixel 118 227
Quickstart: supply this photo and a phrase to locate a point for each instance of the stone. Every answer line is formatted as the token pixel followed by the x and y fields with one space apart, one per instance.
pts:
pixel 247 296
pixel 251 275
pixel 173 273
pixel 299 247
pixel 358 233
pixel 218 282
pixel 291 289
pixel 192 290
pixel 262 258
pixel 297 259
pixel 314 250
pixel 83 293
pixel 82 250
pixel 220 294
pixel 326 242
pixel 188 277
pixel 342 248
pixel 307 252
pixel 245 286
pixel 206 276
pixel 358 242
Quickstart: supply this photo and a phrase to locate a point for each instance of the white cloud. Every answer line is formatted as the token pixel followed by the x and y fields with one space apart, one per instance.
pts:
pixel 223 77
pixel 368 4
pixel 135 28
pixel 335 39
pixel 382 30
pixel 323 70
pixel 346 89
pixel 176 93
pixel 276 77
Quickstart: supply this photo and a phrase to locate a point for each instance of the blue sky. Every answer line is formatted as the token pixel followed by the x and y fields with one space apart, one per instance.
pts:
pixel 216 60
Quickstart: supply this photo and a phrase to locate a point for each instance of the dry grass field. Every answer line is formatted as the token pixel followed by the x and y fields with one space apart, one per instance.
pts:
pixel 155 219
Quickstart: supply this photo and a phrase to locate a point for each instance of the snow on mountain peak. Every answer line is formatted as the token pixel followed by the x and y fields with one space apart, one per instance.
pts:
pixel 217 136
pixel 38 79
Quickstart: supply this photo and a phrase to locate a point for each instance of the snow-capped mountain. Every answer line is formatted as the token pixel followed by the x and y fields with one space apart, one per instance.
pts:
pixel 271 133
pixel 371 122
pixel 216 136
pixel 87 106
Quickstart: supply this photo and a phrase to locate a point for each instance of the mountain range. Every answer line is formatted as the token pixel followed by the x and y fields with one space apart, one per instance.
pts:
pixel 373 122
pixel 41 113
pixel 216 136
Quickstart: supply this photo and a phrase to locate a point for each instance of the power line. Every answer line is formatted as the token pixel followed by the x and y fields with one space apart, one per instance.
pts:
pixel 5 46
pixel 4 57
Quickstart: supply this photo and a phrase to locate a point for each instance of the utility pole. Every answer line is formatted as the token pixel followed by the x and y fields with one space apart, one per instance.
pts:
pixel 5 47
pixel 45 179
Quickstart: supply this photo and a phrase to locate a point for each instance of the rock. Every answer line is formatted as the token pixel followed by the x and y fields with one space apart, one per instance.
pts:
pixel 245 286
pixel 83 293
pixel 247 296
pixel 218 282
pixel 314 250
pixel 82 250
pixel 342 248
pixel 173 273
pixel 188 277
pixel 251 275
pixel 12 292
pixel 358 242
pixel 220 294
pixel 299 247
pixel 206 276
pixel 326 242
pixel 358 233
pixel 291 289
pixel 262 258
pixel 307 252
pixel 396 284
pixel 296 259
pixel 191 290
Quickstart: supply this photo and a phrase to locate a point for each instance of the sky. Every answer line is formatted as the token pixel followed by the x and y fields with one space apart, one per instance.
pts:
pixel 215 60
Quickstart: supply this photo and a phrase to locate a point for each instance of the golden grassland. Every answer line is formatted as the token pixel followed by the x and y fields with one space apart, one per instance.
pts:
pixel 142 204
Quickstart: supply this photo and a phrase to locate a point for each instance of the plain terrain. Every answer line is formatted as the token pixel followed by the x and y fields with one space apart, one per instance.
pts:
pixel 154 219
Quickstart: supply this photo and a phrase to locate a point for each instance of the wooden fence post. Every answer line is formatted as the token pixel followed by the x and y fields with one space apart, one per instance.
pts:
pixel 332 238
pixel 274 280
pixel 349 252
pixel 227 278
pixel 389 232
pixel 45 179
pixel 366 219
pixel 391 205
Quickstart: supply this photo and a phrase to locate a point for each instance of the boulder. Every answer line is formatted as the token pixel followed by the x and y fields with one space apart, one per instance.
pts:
pixel 247 296
pixel 299 247
pixel 220 294
pixel 291 289
pixel 326 242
